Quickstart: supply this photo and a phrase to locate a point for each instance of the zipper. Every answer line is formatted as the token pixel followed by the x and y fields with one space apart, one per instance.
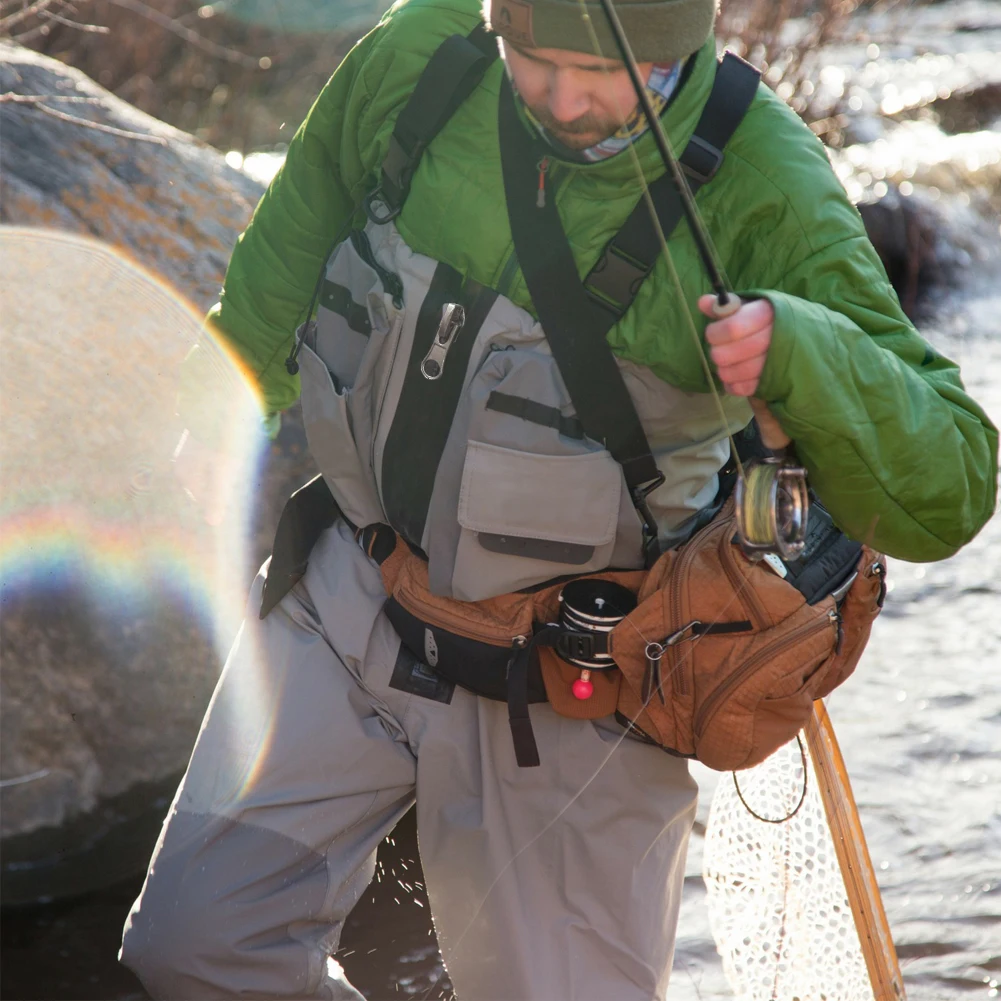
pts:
pixel 745 592
pixel 712 704
pixel 453 317
pixel 390 281
pixel 557 177
pixel 679 682
pixel 428 614
pixel 542 166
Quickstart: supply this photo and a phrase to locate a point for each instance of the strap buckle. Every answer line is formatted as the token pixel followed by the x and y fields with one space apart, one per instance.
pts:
pixel 701 160
pixel 615 280
pixel 575 646
pixel 377 200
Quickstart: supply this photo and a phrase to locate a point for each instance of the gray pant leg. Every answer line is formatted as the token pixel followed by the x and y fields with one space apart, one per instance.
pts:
pixel 304 762
pixel 538 895
pixel 556 883
pixel 296 776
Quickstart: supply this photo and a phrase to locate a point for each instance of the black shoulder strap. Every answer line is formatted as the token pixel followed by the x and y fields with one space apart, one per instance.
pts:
pixel 451 75
pixel 574 328
pixel 578 315
pixel 631 254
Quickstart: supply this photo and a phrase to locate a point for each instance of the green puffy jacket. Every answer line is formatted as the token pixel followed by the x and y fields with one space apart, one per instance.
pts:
pixel 894 446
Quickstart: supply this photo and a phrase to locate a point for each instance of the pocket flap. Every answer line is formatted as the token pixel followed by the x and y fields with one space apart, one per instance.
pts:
pixel 562 498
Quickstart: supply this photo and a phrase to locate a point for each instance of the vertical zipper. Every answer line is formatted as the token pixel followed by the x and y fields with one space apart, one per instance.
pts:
pixel 453 318
pixel 540 198
pixel 679 682
pixel 745 593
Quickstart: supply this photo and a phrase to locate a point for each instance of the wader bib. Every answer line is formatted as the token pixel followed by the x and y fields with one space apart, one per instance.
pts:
pixel 526 456
pixel 491 454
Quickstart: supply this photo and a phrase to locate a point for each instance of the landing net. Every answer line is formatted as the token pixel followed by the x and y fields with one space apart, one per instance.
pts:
pixel 778 907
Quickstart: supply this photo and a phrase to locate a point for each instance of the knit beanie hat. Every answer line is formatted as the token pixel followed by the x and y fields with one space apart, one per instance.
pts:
pixel 658 30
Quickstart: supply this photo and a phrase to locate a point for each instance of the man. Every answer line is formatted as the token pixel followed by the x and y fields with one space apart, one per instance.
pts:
pixel 560 881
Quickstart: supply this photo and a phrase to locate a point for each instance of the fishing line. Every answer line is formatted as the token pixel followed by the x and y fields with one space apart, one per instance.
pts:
pixel 683 660
pixel 683 191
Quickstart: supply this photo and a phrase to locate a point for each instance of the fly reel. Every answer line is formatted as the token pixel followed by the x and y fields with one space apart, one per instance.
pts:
pixel 772 504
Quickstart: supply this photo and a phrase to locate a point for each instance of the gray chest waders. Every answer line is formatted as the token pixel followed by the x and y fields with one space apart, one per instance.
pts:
pixel 575 315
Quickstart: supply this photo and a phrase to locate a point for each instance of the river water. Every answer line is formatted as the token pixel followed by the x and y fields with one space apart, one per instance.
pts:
pixel 920 722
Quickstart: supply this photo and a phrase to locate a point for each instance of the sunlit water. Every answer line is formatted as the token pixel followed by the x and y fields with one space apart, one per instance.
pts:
pixel 920 723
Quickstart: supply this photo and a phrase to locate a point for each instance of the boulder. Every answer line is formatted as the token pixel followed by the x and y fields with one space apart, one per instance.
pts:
pixel 118 602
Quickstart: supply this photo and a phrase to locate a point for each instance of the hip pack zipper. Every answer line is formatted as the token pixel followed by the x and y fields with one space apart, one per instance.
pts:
pixel 679 681
pixel 745 591
pixel 712 704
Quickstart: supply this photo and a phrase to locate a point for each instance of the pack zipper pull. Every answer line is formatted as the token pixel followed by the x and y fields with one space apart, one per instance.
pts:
pixel 835 616
pixel 453 316
pixel 651 678
pixel 540 198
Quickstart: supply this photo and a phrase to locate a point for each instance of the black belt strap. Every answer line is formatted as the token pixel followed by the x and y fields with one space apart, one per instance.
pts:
pixel 451 75
pixel 526 751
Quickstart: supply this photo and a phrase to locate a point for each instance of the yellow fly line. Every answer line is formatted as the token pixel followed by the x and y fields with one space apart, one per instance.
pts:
pixel 794 903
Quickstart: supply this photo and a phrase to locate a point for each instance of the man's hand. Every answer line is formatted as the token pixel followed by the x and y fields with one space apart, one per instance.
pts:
pixel 740 343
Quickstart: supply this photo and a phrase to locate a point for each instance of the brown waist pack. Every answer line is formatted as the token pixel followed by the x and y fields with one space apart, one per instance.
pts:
pixel 721 659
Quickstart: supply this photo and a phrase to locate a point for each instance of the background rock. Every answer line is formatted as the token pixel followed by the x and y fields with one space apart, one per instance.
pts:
pixel 168 199
pixel 105 678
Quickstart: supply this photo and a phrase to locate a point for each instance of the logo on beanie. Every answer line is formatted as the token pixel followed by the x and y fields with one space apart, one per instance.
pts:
pixel 512 19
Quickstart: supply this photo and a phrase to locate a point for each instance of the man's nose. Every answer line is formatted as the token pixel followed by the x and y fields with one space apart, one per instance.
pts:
pixel 567 99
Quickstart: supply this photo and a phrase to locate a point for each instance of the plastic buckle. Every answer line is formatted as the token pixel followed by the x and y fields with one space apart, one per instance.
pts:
pixel 615 280
pixel 575 646
pixel 707 160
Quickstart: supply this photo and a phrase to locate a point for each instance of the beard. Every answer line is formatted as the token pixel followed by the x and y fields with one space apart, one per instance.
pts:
pixel 581 133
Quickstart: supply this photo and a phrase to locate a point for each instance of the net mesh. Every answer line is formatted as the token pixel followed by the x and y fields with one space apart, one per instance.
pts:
pixel 777 903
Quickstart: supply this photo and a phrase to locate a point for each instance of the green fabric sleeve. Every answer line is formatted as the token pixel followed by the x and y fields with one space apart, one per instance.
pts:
pixel 276 261
pixel 332 163
pixel 880 420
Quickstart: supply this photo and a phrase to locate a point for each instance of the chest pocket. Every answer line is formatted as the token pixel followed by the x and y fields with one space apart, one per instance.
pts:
pixel 344 364
pixel 522 495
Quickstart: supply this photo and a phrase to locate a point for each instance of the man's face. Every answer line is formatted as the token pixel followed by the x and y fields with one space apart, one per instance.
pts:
pixel 579 98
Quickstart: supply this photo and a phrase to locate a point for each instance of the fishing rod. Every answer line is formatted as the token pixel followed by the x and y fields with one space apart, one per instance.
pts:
pixel 772 506
pixel 771 495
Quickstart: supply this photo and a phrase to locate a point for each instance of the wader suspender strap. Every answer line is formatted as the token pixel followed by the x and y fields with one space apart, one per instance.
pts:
pixel 451 75
pixel 577 316
pixel 631 254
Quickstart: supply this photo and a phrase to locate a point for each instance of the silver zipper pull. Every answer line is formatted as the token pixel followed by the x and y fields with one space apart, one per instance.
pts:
pixel 453 316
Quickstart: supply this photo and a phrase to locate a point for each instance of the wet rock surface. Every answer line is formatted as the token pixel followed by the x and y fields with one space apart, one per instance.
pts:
pixel 109 657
